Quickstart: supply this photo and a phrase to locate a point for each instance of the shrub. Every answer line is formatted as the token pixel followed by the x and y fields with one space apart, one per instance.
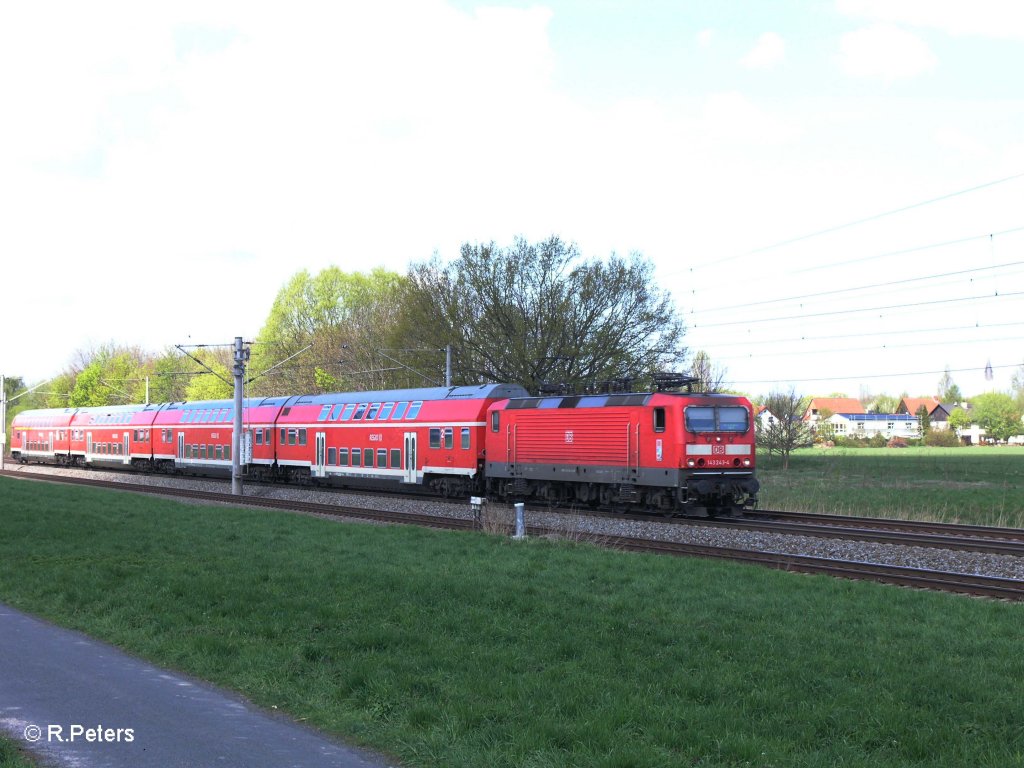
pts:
pixel 942 438
pixel 896 442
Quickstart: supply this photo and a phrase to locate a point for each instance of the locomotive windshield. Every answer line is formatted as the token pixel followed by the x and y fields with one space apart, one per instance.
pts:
pixel 716 418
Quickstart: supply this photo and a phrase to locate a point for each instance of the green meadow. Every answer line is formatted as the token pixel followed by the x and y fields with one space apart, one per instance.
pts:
pixel 978 485
pixel 464 649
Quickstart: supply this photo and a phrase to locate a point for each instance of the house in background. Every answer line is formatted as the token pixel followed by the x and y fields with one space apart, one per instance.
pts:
pixel 938 412
pixel 832 405
pixel 864 425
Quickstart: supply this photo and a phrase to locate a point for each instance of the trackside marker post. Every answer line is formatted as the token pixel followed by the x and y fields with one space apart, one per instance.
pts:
pixel 520 522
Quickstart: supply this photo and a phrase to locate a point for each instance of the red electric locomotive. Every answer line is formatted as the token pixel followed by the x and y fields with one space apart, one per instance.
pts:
pixel 673 452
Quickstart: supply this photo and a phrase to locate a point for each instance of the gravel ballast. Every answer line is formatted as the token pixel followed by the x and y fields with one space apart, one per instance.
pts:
pixel 578 525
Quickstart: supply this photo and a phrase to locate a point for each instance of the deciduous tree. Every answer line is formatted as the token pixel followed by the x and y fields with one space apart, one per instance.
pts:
pixel 998 414
pixel 787 430
pixel 536 313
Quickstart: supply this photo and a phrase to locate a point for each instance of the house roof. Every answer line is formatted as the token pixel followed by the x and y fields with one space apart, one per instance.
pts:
pixel 913 404
pixel 834 404
pixel 878 416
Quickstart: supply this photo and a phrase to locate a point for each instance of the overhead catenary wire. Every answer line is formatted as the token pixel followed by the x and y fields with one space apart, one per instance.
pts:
pixel 835 312
pixel 856 222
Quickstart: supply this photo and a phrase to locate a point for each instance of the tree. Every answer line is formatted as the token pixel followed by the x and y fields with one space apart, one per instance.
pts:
pixel 536 313
pixel 884 404
pixel 949 392
pixel 959 419
pixel 787 430
pixel 924 419
pixel 1017 386
pixel 709 375
pixel 347 317
pixel 998 414
pixel 109 374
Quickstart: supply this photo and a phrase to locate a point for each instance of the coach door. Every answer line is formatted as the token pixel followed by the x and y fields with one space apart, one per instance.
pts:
pixel 127 447
pixel 321 451
pixel 88 446
pixel 410 458
pixel 181 446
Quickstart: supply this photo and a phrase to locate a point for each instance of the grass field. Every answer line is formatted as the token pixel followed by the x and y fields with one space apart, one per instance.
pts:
pixel 10 757
pixel 470 650
pixel 969 485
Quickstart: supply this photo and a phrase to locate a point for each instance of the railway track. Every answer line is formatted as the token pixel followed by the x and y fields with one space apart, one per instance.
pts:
pixel 987 586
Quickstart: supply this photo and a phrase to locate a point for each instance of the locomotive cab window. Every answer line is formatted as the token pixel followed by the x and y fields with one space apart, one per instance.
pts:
pixel 659 419
pixel 721 418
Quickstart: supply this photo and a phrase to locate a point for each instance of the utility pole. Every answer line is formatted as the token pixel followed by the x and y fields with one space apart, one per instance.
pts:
pixel 448 365
pixel 241 357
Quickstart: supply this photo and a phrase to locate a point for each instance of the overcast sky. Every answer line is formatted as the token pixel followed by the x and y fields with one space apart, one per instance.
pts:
pixel 165 167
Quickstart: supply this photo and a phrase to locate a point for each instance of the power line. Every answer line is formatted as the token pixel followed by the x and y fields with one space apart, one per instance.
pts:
pixel 865 220
pixel 858 288
pixel 857 376
pixel 944 342
pixel 863 309
pixel 873 333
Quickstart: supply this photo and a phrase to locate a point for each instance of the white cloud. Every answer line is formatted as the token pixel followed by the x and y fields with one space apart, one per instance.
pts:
pixel 981 18
pixel 769 51
pixel 705 38
pixel 884 51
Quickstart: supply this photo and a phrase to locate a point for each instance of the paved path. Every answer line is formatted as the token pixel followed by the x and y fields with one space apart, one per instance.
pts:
pixel 53 678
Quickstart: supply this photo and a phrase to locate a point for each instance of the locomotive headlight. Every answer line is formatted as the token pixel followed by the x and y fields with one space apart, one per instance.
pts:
pixel 746 462
pixel 691 463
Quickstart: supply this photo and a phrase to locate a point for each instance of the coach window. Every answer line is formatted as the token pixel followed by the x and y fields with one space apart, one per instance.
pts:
pixel 195 450
pixel 227 452
pixel 292 434
pixel 220 453
pixel 266 435
pixel 385 411
pixel 382 457
pixel 360 410
pixel 414 409
pixel 259 437
pixel 400 410
pixel 435 437
pixel 343 457
pixel 449 437
pixel 302 437
pixel 324 413
pixel 396 458
pixel 335 412
pixel 465 438
pixel 347 413
pixel 372 413
pixel 659 419
pixel 284 436
pixel 332 456
pixel 202 451
pixel 357 456
pixel 495 421
pixel 368 457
